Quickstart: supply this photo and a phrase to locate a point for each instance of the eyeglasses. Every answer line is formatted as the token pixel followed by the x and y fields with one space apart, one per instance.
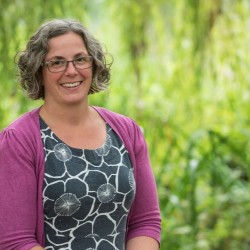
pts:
pixel 55 66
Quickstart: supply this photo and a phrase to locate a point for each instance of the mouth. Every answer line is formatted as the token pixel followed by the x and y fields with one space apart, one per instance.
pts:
pixel 71 84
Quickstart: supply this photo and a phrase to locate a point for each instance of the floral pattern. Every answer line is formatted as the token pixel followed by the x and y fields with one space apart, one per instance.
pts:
pixel 106 193
pixel 87 194
pixel 62 152
pixel 67 204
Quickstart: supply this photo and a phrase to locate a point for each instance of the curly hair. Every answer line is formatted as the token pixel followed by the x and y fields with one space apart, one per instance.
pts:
pixel 30 60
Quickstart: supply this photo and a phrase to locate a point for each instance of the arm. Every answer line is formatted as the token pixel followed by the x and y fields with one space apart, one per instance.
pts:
pixel 37 248
pixel 144 223
pixel 142 243
pixel 18 192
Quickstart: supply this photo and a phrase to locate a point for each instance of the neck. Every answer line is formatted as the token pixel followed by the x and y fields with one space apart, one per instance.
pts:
pixel 65 114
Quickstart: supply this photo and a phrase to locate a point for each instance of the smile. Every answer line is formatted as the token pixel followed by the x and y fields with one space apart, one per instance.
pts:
pixel 71 84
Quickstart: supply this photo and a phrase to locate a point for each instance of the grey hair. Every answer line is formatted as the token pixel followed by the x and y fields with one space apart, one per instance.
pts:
pixel 29 61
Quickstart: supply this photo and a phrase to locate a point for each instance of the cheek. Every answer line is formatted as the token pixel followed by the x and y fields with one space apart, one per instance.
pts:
pixel 88 75
pixel 49 78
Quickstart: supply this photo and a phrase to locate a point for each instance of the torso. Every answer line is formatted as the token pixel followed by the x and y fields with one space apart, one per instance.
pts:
pixel 87 192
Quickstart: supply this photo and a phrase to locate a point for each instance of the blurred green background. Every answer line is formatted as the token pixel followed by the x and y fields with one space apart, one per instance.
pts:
pixel 182 71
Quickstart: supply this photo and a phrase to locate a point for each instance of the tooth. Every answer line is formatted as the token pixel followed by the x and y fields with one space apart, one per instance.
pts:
pixel 71 85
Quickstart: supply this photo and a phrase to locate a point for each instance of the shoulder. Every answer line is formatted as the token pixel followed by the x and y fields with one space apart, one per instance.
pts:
pixel 130 132
pixel 23 127
pixel 28 118
pixel 116 119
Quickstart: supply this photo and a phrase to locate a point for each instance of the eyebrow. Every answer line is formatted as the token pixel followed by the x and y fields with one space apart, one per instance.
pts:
pixel 63 58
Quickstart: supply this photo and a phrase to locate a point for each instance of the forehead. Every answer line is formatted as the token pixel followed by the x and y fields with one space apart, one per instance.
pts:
pixel 66 45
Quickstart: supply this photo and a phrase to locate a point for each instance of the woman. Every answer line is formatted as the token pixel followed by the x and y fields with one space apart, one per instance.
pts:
pixel 73 176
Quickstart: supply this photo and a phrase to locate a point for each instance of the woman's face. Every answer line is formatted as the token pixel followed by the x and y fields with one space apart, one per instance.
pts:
pixel 72 85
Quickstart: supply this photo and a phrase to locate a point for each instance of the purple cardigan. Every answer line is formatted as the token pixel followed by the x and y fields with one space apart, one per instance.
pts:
pixel 22 176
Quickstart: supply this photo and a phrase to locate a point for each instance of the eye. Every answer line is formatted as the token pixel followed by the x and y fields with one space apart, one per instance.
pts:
pixel 81 60
pixel 56 63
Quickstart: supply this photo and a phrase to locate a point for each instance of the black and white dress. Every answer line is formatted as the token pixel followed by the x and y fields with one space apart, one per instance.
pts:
pixel 87 194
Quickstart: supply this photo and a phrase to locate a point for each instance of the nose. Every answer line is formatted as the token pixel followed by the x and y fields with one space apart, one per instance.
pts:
pixel 71 69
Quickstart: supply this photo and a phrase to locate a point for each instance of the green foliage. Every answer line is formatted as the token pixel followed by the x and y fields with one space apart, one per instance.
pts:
pixel 181 70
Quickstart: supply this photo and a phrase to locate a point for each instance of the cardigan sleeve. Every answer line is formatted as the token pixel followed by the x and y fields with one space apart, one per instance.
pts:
pixel 144 219
pixel 18 192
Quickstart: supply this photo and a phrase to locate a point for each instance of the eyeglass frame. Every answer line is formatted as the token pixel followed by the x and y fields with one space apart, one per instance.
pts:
pixel 90 58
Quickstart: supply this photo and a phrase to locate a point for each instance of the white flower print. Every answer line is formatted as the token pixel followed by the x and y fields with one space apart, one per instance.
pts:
pixel 67 204
pixel 106 193
pixel 131 179
pixel 104 150
pixel 62 152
